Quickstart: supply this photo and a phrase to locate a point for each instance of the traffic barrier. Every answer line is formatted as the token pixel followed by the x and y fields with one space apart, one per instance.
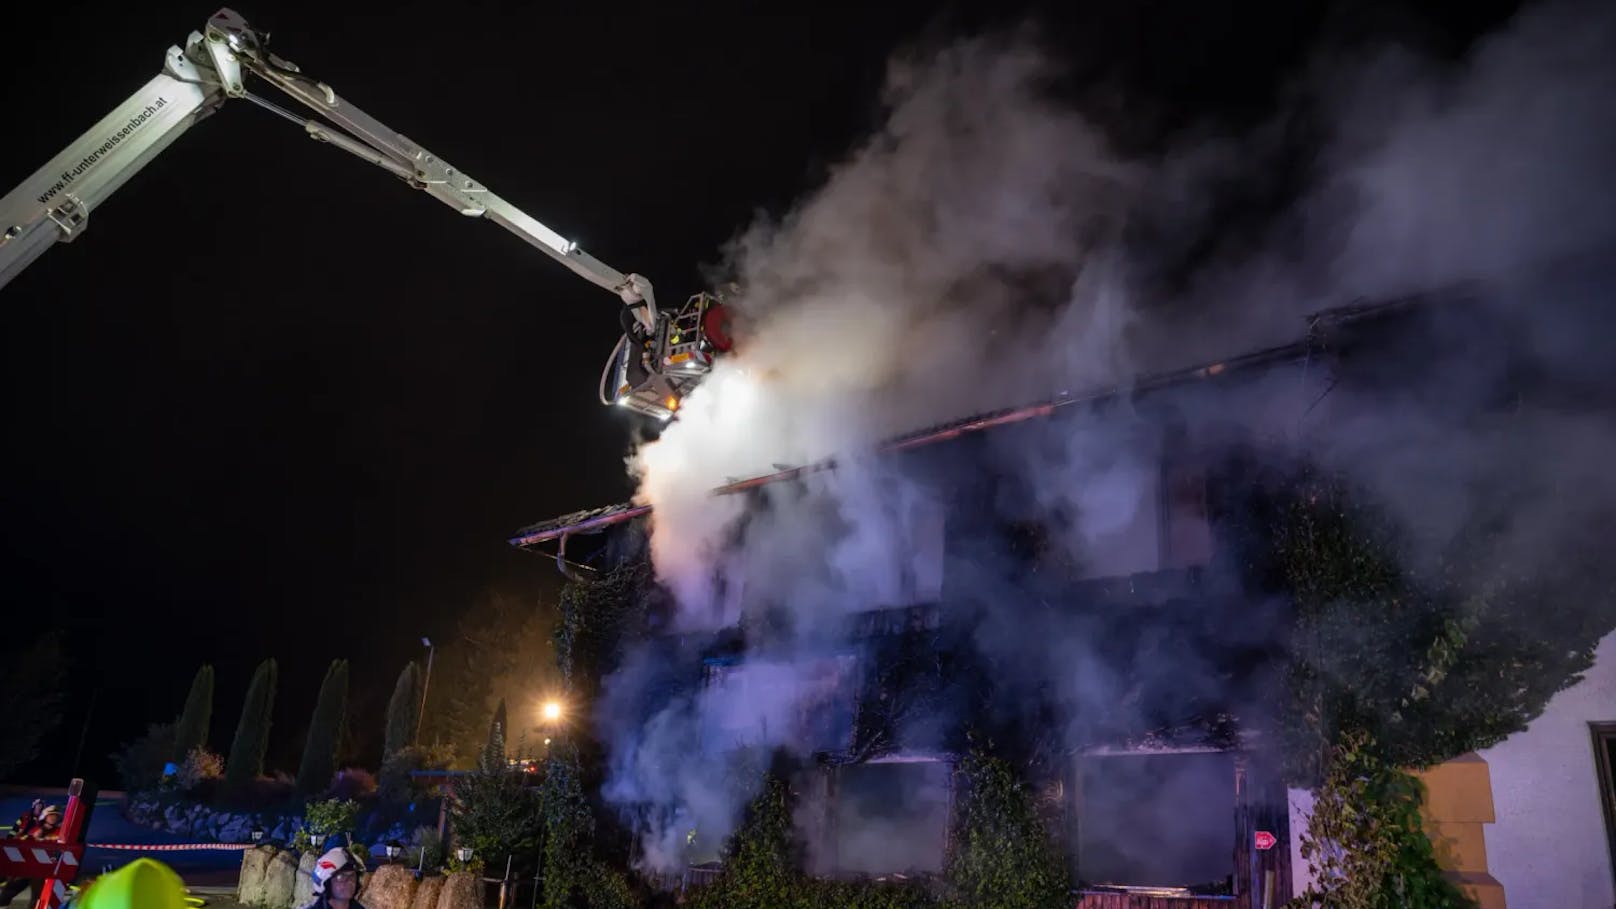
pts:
pixel 53 862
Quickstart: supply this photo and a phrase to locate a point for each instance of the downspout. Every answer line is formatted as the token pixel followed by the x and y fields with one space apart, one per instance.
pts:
pixel 567 569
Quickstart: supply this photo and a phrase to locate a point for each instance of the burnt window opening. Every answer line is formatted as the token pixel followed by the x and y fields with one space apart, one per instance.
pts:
pixel 1157 821
pixel 889 818
pixel 1186 526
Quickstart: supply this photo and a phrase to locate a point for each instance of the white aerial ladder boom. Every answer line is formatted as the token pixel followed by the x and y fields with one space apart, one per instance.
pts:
pixel 56 202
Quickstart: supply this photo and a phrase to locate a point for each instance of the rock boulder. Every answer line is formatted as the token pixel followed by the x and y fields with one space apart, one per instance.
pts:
pixel 254 865
pixel 303 890
pixel 280 881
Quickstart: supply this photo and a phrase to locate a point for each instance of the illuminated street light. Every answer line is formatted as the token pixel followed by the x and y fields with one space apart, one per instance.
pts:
pixel 551 711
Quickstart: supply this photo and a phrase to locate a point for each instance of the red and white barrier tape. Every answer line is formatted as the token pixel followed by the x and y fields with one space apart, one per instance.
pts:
pixel 166 847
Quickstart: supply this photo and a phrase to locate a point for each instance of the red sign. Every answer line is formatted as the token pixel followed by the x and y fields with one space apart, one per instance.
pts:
pixel 1264 841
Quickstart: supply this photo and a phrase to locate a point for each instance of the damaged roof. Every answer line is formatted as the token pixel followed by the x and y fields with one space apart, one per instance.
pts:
pixel 1325 330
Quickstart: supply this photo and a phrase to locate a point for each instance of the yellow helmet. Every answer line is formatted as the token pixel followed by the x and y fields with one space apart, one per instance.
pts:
pixel 142 884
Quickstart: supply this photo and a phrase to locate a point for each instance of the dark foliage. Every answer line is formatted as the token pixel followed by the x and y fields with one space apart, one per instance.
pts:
pixel 139 763
pixel 31 700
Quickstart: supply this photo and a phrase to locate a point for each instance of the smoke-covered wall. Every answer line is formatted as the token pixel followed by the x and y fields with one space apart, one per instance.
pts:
pixel 987 246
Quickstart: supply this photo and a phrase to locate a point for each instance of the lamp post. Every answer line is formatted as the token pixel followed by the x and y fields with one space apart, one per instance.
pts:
pixel 426 681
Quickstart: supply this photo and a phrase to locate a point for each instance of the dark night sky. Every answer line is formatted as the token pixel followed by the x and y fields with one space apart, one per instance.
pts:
pixel 274 403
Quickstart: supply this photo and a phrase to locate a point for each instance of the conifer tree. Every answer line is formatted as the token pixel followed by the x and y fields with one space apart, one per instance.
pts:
pixel 192 729
pixel 320 750
pixel 402 709
pixel 246 759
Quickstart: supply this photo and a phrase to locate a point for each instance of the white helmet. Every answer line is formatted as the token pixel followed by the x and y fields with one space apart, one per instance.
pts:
pixel 329 864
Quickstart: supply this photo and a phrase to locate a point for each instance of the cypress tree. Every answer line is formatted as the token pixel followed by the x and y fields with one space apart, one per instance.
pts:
pixel 246 760
pixel 493 757
pixel 320 750
pixel 401 712
pixel 192 729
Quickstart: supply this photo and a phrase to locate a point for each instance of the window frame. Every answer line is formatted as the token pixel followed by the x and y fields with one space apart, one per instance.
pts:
pixel 1603 737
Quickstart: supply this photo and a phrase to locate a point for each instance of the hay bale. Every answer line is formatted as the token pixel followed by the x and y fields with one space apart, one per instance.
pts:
pixel 389 887
pixel 461 890
pixel 427 892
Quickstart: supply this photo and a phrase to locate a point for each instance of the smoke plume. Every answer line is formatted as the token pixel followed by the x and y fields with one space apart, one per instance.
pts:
pixel 984 248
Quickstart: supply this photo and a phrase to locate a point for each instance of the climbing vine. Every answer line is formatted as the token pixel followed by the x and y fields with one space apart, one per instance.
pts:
pixel 1002 854
pixel 595 616
pixel 1364 843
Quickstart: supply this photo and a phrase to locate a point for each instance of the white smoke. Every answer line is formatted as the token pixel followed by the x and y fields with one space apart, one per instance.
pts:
pixel 898 294
pixel 973 255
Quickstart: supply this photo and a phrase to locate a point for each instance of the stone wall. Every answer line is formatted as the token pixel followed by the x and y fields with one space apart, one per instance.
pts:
pixel 214 825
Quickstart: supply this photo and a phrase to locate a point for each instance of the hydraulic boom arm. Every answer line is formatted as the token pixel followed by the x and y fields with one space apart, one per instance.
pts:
pixel 55 203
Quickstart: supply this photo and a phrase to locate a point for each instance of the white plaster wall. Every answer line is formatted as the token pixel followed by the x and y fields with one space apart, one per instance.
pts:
pixel 1549 846
pixel 1301 808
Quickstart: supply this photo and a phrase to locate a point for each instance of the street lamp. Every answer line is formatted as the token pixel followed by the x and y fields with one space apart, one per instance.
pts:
pixel 419 714
pixel 551 711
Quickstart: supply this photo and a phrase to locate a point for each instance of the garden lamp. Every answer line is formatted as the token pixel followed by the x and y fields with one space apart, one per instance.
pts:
pixel 317 839
pixel 464 854
pixel 256 834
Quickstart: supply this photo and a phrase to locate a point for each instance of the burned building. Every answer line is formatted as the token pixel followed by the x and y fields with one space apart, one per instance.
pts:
pixel 1080 582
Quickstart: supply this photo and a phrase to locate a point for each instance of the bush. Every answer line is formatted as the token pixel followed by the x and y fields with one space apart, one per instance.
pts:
pixel 353 784
pixel 574 873
pixel 498 816
pixel 259 794
pixel 761 861
pixel 140 762
pixel 867 895
pixel 426 840
pixel 332 817
pixel 199 773
pixel 394 784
